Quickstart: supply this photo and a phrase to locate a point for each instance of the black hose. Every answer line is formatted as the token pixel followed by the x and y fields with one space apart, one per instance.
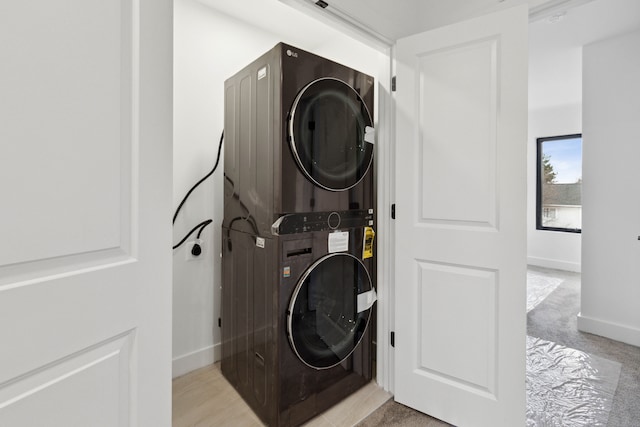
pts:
pixel 175 215
pixel 202 225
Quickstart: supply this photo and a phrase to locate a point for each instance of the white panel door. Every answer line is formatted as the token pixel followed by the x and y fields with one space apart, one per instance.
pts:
pixel 85 237
pixel 461 186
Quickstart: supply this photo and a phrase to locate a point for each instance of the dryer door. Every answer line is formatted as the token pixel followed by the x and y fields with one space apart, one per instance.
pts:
pixel 327 129
pixel 330 310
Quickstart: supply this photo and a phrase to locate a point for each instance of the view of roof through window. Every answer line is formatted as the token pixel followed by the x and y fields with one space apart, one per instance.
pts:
pixel 559 204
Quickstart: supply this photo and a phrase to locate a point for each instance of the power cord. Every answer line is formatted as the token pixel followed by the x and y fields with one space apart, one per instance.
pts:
pixel 201 226
pixel 196 249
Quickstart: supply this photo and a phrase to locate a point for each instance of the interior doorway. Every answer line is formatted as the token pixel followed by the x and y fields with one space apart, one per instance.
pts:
pixel 555 257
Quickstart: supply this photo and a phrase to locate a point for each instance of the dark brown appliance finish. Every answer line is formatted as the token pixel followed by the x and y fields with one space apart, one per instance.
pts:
pixel 260 278
pixel 294 139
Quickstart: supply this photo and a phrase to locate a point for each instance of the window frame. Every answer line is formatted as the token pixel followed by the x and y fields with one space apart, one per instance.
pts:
pixel 539 177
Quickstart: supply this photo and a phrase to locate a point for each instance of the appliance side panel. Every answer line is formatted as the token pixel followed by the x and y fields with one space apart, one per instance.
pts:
pixel 264 170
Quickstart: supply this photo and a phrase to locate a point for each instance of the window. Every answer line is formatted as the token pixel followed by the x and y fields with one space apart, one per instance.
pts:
pixel 559 185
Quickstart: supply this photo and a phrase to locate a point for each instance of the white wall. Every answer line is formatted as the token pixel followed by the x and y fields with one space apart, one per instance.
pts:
pixel 551 249
pixel 610 304
pixel 210 46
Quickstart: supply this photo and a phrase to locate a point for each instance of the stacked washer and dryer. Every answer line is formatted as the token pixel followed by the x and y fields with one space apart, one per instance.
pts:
pixel 298 263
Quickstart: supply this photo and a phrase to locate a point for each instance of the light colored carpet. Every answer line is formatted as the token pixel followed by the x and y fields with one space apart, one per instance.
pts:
pixel 555 319
pixel 394 414
pixel 539 286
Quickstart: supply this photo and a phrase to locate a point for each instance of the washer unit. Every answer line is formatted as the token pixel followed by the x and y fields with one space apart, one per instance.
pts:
pixel 295 327
pixel 297 287
pixel 298 139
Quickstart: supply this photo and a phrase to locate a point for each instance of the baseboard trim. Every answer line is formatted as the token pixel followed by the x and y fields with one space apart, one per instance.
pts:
pixel 555 264
pixel 196 359
pixel 610 330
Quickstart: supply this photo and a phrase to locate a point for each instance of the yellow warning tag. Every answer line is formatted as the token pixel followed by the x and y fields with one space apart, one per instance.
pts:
pixel 367 245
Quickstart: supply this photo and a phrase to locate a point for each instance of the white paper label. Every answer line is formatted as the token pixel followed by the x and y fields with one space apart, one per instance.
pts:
pixel 369 135
pixel 366 300
pixel 260 242
pixel 338 241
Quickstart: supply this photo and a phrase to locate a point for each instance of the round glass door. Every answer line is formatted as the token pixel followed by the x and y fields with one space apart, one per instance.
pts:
pixel 326 129
pixel 324 322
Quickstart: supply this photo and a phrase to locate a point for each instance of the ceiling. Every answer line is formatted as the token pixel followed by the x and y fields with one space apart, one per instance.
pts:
pixel 555 47
pixel 391 20
pixel 273 16
pixel 558 29
pixel 385 19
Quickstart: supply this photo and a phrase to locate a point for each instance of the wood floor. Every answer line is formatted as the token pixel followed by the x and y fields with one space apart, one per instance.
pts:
pixel 204 398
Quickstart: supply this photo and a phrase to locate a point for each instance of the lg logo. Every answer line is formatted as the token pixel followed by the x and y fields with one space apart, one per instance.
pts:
pixel 291 53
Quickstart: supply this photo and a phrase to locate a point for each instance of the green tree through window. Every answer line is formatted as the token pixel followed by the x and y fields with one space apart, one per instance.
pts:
pixel 549 173
pixel 559 185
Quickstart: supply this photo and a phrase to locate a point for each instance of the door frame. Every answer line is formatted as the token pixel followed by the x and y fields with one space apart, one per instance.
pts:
pixel 385 246
pixel 385 168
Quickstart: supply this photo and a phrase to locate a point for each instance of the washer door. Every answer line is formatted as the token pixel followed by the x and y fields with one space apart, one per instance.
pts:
pixel 325 323
pixel 327 134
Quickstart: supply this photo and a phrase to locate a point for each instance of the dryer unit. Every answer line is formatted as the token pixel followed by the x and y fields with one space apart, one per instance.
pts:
pixel 296 333
pixel 299 138
pixel 297 285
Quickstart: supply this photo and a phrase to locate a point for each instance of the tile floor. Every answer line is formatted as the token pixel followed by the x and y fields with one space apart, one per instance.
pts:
pixel 204 398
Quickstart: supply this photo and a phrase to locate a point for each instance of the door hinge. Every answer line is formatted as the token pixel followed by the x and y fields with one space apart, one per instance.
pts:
pixel 393 339
pixel 393 211
pixel 219 322
pixel 393 84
